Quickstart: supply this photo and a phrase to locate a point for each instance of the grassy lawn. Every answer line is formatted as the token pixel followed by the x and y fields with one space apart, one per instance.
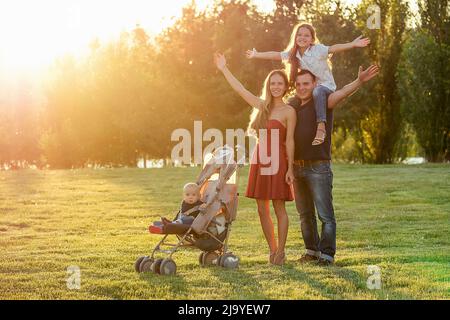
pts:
pixel 395 217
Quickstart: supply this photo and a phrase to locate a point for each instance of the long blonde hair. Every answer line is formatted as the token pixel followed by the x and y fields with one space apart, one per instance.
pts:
pixel 259 117
pixel 292 64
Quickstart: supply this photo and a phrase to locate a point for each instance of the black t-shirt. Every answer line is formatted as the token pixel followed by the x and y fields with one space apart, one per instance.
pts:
pixel 305 131
pixel 187 206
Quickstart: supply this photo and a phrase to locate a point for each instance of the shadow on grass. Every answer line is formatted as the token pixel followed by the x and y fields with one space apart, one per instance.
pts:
pixel 356 282
pixel 175 283
pixel 243 285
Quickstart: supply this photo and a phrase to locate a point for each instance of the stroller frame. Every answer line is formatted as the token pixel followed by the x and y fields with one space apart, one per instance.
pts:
pixel 221 163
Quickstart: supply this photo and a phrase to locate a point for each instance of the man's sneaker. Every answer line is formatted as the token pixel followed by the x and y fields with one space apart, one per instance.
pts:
pixel 306 258
pixel 324 262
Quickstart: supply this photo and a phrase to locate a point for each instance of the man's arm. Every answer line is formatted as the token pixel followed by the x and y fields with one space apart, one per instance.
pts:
pixel 349 89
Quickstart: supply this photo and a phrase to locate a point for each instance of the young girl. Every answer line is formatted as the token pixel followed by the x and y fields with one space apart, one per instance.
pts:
pixel 304 53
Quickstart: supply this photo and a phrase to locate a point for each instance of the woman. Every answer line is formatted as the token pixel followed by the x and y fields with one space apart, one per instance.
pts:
pixel 272 114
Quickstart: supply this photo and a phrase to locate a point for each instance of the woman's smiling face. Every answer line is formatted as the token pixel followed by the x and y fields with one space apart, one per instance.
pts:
pixel 304 38
pixel 277 86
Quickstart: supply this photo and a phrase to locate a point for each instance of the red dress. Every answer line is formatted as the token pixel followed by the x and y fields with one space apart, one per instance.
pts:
pixel 267 179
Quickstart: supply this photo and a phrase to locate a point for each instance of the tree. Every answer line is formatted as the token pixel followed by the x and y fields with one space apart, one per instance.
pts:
pixel 381 130
pixel 425 82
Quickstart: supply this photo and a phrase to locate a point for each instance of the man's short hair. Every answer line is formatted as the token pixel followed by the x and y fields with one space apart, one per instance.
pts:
pixel 303 72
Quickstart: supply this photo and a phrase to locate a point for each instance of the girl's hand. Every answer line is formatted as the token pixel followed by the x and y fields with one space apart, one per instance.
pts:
pixel 360 42
pixel 220 61
pixel 290 177
pixel 251 53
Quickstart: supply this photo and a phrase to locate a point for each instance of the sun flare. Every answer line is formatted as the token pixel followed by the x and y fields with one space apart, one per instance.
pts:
pixel 34 33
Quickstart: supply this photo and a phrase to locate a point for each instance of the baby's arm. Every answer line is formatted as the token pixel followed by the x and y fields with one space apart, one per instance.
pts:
pixel 359 42
pixel 269 55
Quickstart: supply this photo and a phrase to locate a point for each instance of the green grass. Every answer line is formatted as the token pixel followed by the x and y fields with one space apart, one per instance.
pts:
pixel 395 217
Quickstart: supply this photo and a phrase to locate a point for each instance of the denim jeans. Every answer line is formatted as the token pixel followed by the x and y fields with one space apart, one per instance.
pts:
pixel 185 220
pixel 320 95
pixel 313 190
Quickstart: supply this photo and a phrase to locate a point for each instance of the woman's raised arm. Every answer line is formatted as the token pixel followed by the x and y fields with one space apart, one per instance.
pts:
pixel 249 97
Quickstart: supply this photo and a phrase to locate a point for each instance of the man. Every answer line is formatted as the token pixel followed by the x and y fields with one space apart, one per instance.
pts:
pixel 312 166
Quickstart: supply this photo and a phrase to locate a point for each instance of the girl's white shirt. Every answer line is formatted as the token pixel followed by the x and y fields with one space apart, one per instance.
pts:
pixel 315 60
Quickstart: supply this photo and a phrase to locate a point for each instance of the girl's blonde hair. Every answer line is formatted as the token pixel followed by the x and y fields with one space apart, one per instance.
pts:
pixel 292 64
pixel 259 117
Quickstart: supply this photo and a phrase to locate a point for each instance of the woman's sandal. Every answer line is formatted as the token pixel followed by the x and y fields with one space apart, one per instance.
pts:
pixel 317 140
pixel 280 259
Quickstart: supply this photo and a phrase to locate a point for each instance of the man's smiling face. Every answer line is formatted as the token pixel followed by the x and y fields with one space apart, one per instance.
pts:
pixel 304 86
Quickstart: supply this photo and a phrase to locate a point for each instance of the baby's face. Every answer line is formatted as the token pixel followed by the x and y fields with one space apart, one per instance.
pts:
pixel 191 196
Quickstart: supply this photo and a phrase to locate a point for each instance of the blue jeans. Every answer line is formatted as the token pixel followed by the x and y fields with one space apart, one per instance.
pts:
pixel 185 220
pixel 313 190
pixel 320 95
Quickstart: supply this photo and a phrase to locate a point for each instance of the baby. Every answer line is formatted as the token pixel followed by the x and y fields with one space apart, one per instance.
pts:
pixel 190 208
pixel 191 199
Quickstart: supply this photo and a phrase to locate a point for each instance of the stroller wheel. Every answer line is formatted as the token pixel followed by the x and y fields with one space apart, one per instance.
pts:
pixel 145 264
pixel 209 258
pixel 137 264
pixel 155 267
pixel 229 261
pixel 168 267
pixel 200 258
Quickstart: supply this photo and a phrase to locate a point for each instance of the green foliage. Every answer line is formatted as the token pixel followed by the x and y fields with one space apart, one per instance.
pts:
pixel 380 129
pixel 425 82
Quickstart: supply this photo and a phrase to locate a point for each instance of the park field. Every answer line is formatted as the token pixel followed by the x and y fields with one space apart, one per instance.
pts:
pixel 395 217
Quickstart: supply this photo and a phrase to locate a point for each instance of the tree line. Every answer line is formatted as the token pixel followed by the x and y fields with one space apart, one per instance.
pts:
pixel 122 101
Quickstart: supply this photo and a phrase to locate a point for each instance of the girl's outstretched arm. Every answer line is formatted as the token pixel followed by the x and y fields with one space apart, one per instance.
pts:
pixel 269 55
pixel 251 99
pixel 359 42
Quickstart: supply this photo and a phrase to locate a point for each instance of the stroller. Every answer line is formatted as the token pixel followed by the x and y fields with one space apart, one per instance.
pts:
pixel 211 228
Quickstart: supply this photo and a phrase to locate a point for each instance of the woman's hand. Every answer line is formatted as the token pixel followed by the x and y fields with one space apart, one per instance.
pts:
pixel 290 176
pixel 220 61
pixel 250 54
pixel 360 42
